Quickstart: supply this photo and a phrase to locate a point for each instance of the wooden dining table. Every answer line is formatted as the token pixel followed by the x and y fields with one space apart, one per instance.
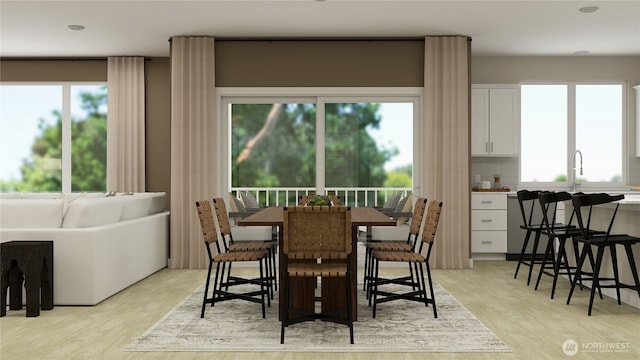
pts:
pixel 333 294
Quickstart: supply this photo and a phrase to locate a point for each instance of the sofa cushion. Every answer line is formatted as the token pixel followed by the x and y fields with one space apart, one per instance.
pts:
pixel 135 206
pixel 88 212
pixel 141 204
pixel 31 213
pixel 158 202
pixel 42 195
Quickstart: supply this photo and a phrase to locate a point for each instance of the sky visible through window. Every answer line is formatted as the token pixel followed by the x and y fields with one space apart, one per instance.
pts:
pixel 396 119
pixel 545 109
pixel 21 108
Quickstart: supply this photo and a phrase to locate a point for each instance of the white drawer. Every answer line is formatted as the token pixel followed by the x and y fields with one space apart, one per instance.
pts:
pixel 488 241
pixel 488 220
pixel 486 201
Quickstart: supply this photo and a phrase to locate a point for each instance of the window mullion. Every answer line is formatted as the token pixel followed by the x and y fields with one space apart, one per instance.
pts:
pixel 320 146
pixel 571 130
pixel 66 138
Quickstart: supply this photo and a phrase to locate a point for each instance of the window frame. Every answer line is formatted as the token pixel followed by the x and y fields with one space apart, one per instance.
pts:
pixel 318 96
pixel 571 140
pixel 66 119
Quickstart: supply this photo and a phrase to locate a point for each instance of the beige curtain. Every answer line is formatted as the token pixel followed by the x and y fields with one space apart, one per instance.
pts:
pixel 446 154
pixel 193 158
pixel 126 124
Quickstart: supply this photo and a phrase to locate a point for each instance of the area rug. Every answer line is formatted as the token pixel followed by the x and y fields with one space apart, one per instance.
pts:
pixel 400 326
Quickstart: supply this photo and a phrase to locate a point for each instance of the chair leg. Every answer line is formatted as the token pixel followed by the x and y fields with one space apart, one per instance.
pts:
pixel 576 256
pixel 269 280
pixel 370 277
pixel 366 268
pixel 562 259
pixel 262 291
pixel 592 261
pixel 578 275
pixel 206 289
pixel 274 271
pixel 534 253
pixel 614 264
pixel 632 265
pixel 548 252
pixel 416 281
pixel 423 290
pixel 285 312
pixel 228 277
pixel 522 251
pixel 433 297
pixel 374 292
pixel 349 307
pixel 215 282
pixel 596 276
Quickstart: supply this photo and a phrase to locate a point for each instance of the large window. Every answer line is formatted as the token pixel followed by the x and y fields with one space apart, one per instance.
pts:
pixel 321 144
pixel 572 133
pixel 53 137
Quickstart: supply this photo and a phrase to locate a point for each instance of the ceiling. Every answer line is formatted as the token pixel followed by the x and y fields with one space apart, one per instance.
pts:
pixel 116 28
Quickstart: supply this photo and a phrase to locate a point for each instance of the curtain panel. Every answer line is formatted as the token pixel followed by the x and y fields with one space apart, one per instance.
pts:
pixel 193 158
pixel 446 150
pixel 126 124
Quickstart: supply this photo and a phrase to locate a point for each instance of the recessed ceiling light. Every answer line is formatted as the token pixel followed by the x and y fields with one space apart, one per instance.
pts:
pixel 76 27
pixel 588 9
pixel 582 52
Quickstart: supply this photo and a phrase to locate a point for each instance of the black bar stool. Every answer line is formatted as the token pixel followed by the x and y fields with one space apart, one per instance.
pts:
pixel 558 262
pixel 527 201
pixel 601 241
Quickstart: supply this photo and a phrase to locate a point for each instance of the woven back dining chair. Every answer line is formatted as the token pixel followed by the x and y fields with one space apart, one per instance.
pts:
pixel 219 256
pixel 420 261
pixel 381 245
pixel 268 245
pixel 316 244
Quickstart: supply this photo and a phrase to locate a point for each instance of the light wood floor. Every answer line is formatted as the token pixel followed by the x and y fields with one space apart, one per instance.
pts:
pixel 528 321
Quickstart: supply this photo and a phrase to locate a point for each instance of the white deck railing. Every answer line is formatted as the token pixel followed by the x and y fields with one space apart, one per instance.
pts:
pixel 349 196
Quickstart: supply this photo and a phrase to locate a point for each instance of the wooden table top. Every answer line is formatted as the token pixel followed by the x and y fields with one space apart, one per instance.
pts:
pixel 360 216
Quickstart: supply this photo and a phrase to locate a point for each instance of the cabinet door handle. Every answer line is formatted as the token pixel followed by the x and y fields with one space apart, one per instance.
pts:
pixel 486 147
pixel 486 202
pixel 492 146
pixel 487 220
pixel 487 242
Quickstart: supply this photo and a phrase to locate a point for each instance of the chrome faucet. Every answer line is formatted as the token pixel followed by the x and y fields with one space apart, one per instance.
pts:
pixel 575 180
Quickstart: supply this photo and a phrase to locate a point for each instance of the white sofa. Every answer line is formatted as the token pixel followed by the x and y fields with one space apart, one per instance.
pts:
pixel 101 244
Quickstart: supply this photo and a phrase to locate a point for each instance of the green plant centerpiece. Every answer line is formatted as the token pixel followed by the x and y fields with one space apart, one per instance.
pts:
pixel 319 200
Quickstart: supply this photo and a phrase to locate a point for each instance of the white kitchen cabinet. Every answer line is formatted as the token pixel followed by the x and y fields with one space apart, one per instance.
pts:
pixel 495 120
pixel 489 225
